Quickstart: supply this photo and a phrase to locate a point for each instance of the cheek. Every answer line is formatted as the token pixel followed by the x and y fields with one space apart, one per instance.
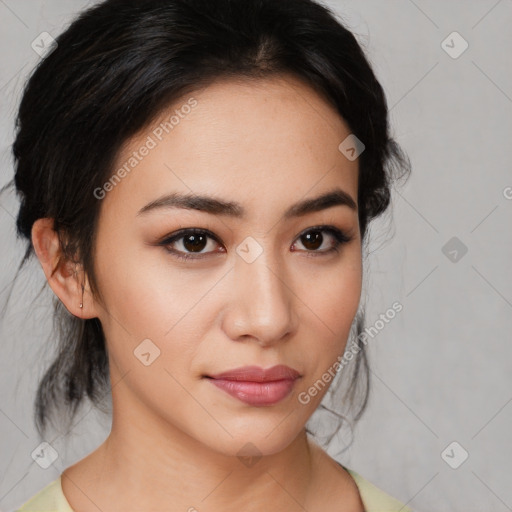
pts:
pixel 149 298
pixel 140 290
pixel 327 319
pixel 333 296
pixel 336 302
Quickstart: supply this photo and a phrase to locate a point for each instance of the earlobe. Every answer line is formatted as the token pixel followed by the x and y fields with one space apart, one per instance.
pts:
pixel 61 274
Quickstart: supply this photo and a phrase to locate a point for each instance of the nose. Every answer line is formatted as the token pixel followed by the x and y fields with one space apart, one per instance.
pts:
pixel 262 302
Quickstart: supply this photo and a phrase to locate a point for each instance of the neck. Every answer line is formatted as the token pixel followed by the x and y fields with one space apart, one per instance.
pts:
pixel 148 464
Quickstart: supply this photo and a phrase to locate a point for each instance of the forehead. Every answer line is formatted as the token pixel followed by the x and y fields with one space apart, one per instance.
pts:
pixel 249 137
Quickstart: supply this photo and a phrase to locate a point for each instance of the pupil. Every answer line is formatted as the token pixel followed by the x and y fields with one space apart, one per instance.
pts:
pixel 194 243
pixel 312 240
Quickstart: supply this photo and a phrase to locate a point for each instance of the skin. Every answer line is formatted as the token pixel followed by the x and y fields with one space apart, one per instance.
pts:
pixel 173 445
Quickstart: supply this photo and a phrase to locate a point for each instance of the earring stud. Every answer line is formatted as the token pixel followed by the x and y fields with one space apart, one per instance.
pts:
pixel 82 303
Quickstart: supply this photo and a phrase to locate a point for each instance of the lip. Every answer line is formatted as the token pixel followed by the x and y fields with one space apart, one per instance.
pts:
pixel 258 374
pixel 257 386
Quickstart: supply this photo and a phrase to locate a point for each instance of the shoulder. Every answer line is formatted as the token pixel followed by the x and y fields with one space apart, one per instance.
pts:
pixel 49 499
pixel 375 499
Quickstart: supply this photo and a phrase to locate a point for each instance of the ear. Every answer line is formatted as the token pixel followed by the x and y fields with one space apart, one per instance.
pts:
pixel 63 276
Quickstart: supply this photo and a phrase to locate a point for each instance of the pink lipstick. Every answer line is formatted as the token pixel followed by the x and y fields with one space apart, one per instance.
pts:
pixel 256 386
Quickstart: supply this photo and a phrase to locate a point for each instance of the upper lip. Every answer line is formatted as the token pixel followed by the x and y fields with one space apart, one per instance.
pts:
pixel 258 374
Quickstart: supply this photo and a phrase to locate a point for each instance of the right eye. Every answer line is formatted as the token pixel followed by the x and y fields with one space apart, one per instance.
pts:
pixel 194 240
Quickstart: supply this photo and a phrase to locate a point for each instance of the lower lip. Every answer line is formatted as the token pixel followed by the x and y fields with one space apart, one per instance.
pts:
pixel 256 393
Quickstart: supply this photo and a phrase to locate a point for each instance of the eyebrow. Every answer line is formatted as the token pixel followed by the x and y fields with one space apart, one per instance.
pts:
pixel 215 206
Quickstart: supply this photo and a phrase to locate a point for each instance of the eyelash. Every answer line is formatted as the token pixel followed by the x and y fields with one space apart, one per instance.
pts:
pixel 340 238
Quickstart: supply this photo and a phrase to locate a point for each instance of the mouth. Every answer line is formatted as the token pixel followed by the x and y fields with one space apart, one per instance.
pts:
pixel 257 386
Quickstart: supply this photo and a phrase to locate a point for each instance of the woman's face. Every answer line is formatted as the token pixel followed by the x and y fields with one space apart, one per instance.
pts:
pixel 264 284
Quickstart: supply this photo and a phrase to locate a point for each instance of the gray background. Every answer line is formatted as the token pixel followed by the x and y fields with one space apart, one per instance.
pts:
pixel 441 368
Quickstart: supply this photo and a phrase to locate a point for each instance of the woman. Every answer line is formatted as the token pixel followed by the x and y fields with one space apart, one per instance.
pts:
pixel 196 180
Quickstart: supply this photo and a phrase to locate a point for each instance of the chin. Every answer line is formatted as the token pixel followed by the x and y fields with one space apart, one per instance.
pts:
pixel 255 441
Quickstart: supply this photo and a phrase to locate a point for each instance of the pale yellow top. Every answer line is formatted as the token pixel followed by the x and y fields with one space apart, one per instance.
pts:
pixel 52 499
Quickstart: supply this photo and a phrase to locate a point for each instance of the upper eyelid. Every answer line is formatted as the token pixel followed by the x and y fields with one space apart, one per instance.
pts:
pixel 182 232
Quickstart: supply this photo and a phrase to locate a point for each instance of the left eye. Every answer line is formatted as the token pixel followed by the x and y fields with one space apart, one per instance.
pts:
pixel 313 238
pixel 196 240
